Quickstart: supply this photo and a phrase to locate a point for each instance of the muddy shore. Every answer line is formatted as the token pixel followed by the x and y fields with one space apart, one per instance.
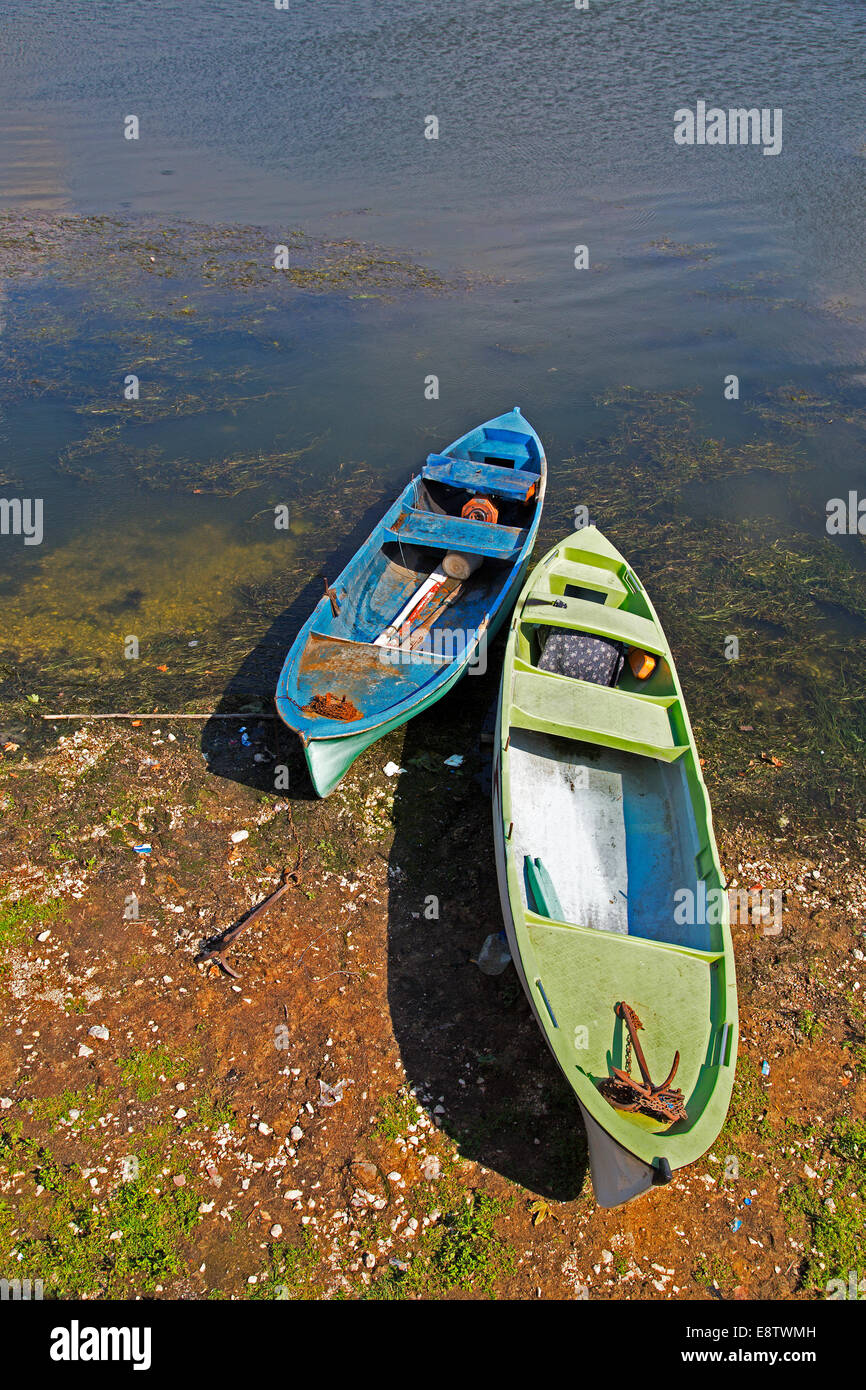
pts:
pixel 363 1113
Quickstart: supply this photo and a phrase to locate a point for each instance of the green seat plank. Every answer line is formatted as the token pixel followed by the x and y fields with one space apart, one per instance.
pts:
pixel 586 577
pixel 594 714
pixel 601 619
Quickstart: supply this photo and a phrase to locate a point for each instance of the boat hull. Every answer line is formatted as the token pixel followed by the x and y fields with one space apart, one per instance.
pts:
pixel 329 759
pixel 618 1176
pixel 349 679
pixel 573 974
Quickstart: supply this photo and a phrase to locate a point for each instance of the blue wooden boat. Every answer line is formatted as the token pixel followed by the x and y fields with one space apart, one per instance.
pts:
pixel 415 605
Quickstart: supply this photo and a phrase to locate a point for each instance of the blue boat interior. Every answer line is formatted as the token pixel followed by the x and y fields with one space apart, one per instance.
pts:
pixel 500 465
pixel 621 843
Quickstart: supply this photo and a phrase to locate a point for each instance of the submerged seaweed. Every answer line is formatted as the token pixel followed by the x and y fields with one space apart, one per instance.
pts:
pixel 795 602
pixel 107 253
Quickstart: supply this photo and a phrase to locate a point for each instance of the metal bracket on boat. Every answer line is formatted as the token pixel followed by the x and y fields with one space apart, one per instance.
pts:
pixel 335 602
pixel 662 1172
pixel 663 1100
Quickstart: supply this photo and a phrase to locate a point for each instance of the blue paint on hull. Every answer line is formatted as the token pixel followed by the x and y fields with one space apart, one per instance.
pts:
pixel 336 653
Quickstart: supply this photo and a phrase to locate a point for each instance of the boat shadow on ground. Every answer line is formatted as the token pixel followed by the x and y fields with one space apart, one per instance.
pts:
pixel 468 1041
pixel 253 684
pixel 465 1037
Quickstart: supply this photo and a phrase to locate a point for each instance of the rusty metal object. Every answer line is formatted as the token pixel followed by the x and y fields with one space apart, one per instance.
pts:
pixel 481 509
pixel 213 948
pixel 335 661
pixel 662 1101
pixel 330 706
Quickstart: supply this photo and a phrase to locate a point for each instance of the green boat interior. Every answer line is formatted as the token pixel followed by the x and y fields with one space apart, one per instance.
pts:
pixel 607 831
pixel 629 823
pixel 606 768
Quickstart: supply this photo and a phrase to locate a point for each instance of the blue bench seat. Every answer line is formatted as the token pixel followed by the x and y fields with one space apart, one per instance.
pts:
pixel 499 449
pixel 454 533
pixel 482 479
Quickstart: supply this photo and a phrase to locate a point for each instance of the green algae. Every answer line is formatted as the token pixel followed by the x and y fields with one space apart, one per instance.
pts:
pixel 150 468
pixel 795 601
pixel 107 252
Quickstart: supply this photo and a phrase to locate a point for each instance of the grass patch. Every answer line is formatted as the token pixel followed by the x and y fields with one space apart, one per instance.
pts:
pixel 463 1251
pixel 467 1251
pixel 212 1113
pixel 291 1274
pixel 17 919
pixel 712 1271
pixel 334 857
pixel 747 1114
pixel 53 1110
pixel 129 1241
pixel 835 1233
pixel 145 1072
pixel 810 1025
pixel 395 1114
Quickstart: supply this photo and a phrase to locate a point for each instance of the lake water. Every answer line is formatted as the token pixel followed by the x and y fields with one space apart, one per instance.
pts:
pixel 555 129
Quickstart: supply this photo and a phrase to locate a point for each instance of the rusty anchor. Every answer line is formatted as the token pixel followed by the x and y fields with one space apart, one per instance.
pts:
pixel 622 1090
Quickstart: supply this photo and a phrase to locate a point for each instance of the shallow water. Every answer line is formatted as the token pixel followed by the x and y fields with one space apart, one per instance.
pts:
pixel 556 129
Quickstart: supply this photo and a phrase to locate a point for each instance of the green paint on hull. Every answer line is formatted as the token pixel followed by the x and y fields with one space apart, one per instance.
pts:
pixel 646 833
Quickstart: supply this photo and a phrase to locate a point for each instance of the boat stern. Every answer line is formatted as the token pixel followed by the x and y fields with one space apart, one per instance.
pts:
pixel 618 1176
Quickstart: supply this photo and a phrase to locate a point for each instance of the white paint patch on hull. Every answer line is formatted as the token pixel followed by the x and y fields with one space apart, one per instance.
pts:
pixel 571 817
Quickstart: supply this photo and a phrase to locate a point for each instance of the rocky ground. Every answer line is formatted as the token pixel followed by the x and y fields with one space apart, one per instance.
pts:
pixel 363 1112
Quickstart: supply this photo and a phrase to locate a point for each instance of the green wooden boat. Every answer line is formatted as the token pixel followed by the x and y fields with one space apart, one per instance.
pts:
pixel 609 875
